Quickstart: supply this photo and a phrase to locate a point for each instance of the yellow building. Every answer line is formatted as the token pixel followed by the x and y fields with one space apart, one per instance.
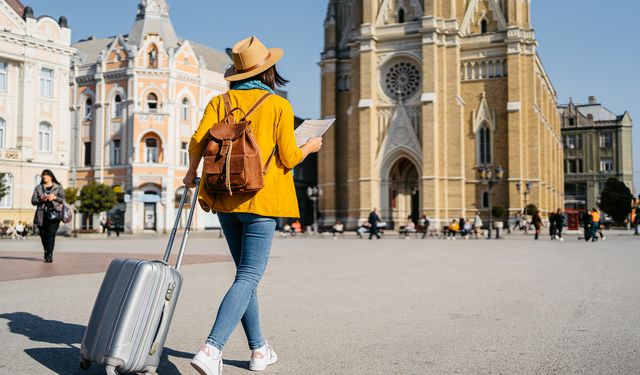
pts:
pixel 425 93
pixel 137 98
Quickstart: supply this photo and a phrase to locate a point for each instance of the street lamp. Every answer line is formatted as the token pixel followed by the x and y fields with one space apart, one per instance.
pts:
pixel 490 177
pixel 526 191
pixel 314 193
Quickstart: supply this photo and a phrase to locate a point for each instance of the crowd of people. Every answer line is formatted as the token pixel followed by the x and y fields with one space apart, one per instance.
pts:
pixel 15 230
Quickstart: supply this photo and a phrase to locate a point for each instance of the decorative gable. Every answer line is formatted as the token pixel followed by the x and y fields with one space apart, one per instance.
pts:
pixel 400 136
pixel 484 115
pixel 487 12
pixel 392 10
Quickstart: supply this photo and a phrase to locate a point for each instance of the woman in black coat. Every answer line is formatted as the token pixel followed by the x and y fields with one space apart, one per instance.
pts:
pixel 48 197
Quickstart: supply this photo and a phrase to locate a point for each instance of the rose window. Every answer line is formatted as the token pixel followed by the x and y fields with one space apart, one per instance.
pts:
pixel 401 80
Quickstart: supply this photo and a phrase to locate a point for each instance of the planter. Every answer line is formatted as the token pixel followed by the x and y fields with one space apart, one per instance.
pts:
pixel 498 225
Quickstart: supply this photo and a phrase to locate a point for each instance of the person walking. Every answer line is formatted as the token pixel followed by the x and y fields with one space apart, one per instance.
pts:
pixel 477 225
pixel 248 218
pixel 552 225
pixel 516 221
pixel 595 224
pixel 48 197
pixel 373 221
pixel 424 225
pixel 536 220
pixel 559 224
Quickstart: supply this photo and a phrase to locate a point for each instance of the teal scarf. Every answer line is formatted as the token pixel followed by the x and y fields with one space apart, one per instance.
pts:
pixel 253 84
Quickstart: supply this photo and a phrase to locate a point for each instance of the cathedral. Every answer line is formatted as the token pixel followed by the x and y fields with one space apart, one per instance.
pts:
pixel 426 93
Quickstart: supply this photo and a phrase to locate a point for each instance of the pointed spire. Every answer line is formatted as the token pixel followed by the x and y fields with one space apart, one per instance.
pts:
pixel 153 18
pixel 158 8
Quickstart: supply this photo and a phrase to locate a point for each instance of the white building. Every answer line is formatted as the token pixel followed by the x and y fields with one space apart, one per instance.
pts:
pixel 35 54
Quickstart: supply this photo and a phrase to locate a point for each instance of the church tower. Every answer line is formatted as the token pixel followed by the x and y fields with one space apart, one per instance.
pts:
pixel 425 93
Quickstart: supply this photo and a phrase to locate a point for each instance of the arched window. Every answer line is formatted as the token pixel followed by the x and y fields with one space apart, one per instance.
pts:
pixel 185 109
pixel 88 109
pixel 484 26
pixel 152 102
pixel 151 150
pixel 44 137
pixel 117 106
pixel 484 145
pixel 153 57
pixel 401 15
pixel 3 133
pixel 7 200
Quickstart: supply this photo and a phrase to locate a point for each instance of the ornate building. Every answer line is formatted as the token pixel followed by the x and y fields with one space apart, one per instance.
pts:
pixel 34 103
pixel 137 99
pixel 597 146
pixel 424 93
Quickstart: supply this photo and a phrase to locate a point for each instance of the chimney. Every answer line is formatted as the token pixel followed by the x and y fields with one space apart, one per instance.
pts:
pixel 593 100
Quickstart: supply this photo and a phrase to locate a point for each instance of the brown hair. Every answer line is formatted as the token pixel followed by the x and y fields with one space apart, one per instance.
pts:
pixel 269 77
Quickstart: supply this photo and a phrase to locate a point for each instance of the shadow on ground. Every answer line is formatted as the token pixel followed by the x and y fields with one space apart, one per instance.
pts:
pixel 65 360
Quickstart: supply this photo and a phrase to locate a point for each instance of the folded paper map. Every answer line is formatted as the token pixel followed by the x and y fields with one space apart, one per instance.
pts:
pixel 312 128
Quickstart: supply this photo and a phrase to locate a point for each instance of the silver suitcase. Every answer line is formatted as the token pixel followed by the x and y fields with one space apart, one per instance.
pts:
pixel 133 310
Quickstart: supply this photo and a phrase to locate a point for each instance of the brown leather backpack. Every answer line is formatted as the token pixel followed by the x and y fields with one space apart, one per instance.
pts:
pixel 232 161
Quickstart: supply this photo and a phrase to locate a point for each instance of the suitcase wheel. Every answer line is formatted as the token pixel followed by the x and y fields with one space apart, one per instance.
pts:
pixel 111 370
pixel 85 364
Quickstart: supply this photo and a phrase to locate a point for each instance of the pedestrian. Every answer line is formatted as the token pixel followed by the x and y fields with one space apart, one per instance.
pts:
pixel 536 220
pixel 516 224
pixel 559 224
pixel 373 221
pixel 109 226
pixel 338 228
pixel 525 222
pixel 248 219
pixel 453 229
pixel 424 225
pixel 48 197
pixel 595 224
pixel 477 225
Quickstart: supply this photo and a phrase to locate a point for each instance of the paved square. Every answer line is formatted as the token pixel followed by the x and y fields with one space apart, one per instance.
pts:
pixel 350 306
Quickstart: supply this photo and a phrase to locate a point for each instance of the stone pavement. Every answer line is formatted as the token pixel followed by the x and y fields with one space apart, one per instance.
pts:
pixel 350 306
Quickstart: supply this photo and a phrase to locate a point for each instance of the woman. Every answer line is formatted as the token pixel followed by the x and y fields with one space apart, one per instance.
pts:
pixel 559 221
pixel 248 219
pixel 537 223
pixel 48 197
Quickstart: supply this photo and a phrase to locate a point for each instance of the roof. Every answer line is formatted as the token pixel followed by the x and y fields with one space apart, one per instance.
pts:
pixel 216 60
pixel 17 6
pixel 598 111
pixel 89 49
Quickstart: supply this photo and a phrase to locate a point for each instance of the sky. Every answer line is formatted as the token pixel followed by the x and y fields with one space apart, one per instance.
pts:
pixel 588 47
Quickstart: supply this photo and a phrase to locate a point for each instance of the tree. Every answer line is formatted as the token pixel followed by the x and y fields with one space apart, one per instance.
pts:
pixel 498 211
pixel 71 195
pixel 96 198
pixel 616 199
pixel 531 209
pixel 4 186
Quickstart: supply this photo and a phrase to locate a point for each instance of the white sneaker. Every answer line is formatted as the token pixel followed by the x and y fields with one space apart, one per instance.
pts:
pixel 262 357
pixel 208 361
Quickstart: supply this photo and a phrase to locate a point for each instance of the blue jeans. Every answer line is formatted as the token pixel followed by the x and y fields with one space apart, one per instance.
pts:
pixel 249 237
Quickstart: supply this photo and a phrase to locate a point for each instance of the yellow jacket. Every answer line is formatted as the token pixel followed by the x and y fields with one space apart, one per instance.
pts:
pixel 271 124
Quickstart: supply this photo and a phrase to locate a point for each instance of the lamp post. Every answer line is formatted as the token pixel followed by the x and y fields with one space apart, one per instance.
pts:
pixel 314 193
pixel 490 177
pixel 525 191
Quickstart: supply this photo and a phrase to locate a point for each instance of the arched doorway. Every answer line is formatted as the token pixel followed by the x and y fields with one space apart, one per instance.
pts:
pixel 404 192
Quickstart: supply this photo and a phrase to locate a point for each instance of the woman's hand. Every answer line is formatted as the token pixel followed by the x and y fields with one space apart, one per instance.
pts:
pixel 51 197
pixel 313 145
pixel 189 179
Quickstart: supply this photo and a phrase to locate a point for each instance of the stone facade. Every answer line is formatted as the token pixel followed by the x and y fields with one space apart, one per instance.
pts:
pixel 34 103
pixel 137 98
pixel 424 93
pixel 597 146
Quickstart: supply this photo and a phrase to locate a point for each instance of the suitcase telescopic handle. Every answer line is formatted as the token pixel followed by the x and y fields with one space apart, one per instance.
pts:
pixel 172 237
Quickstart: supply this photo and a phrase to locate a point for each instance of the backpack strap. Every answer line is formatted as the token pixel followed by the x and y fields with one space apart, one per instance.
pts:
pixel 227 107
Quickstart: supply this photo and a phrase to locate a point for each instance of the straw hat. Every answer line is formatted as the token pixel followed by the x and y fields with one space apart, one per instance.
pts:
pixel 251 57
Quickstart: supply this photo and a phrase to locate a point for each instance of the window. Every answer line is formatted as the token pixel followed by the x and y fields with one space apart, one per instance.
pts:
pixel 484 26
pixel 152 102
pixel 573 141
pixel 115 152
pixel 88 109
pixel 7 200
pixel 484 145
pixel 401 15
pixel 3 76
pixel 3 133
pixel 87 154
pixel 46 83
pixel 606 165
pixel 151 150
pixel 574 166
pixel 44 137
pixel 185 109
pixel 572 121
pixel 117 106
pixel 485 199
pixel 606 140
pixel 184 154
